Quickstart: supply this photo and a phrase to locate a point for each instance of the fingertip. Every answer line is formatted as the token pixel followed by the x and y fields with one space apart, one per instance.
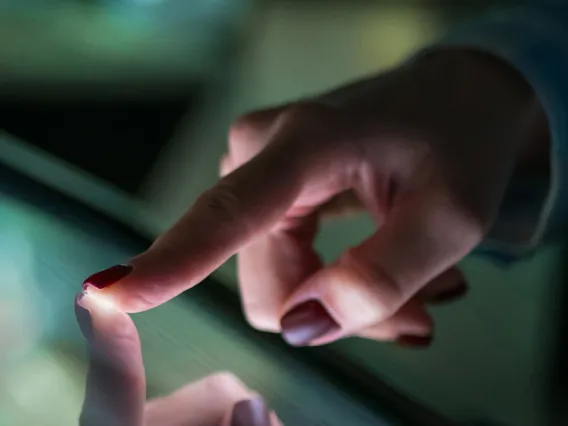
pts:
pixel 107 277
pixel 127 288
pixel 98 302
pixel 308 322
pixel 78 302
pixel 107 288
pixel 156 276
pixel 83 316
pixel 101 320
pixel 250 412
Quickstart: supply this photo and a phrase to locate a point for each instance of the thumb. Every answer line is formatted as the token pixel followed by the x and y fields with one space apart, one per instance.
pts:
pixel 423 236
pixel 251 412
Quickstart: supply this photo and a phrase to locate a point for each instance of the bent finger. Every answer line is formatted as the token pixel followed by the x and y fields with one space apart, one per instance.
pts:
pixel 216 400
pixel 200 403
pixel 370 282
pixel 272 267
pixel 412 325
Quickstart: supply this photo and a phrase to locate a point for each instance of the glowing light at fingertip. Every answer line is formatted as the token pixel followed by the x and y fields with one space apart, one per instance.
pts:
pixel 103 302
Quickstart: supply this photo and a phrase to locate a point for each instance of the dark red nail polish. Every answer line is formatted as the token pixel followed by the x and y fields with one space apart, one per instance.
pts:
pixel 414 341
pixel 307 322
pixel 251 412
pixel 83 318
pixel 108 276
pixel 454 293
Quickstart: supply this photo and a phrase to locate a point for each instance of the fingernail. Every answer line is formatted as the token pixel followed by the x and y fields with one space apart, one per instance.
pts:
pixel 454 293
pixel 307 322
pixel 414 341
pixel 108 276
pixel 251 412
pixel 83 318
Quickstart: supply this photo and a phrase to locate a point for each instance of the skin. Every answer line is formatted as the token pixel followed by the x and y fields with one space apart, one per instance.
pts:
pixel 116 382
pixel 426 149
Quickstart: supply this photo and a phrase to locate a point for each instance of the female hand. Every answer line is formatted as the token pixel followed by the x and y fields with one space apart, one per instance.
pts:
pixel 426 149
pixel 116 382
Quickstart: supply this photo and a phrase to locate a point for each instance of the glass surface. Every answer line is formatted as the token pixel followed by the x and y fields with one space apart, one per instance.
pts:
pixel 490 354
pixel 43 260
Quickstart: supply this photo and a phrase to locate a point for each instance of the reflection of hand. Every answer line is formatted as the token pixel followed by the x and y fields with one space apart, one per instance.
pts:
pixel 116 383
pixel 427 148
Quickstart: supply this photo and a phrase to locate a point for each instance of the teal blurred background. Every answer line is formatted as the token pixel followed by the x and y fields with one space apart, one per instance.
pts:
pixel 490 354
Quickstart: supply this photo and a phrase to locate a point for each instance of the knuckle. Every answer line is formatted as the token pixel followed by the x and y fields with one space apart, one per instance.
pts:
pixel 241 130
pixel 247 134
pixel 465 202
pixel 377 288
pixel 225 208
pixel 474 223
pixel 222 203
pixel 468 223
pixel 327 128
pixel 144 299
pixel 251 132
pixel 474 227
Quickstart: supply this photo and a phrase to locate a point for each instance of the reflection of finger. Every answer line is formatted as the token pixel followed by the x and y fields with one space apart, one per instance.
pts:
pixel 201 403
pixel 218 400
pixel 250 412
pixel 411 320
pixel 274 420
pixel 412 325
pixel 116 390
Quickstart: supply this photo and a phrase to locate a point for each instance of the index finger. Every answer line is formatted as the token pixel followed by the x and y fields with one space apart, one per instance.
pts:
pixel 243 205
pixel 116 387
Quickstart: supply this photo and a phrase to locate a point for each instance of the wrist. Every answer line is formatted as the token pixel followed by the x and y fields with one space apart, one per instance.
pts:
pixel 533 145
pixel 530 45
pixel 518 105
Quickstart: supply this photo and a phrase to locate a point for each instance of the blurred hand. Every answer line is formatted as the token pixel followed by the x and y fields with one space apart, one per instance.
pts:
pixel 116 383
pixel 427 149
